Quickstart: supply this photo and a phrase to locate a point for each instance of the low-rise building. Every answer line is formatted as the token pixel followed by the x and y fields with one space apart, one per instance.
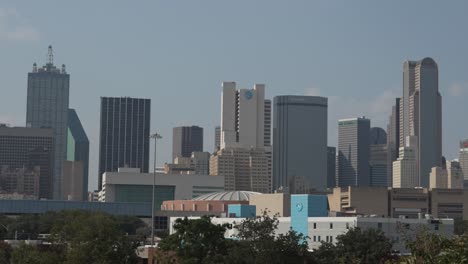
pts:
pixel 359 200
pixel 129 185
pixel 212 203
pixel 274 204
pixel 399 202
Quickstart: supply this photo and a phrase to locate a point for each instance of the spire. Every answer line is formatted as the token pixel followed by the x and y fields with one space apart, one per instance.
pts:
pixel 50 56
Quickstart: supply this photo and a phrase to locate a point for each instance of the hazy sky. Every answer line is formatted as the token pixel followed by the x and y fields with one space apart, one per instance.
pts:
pixel 178 52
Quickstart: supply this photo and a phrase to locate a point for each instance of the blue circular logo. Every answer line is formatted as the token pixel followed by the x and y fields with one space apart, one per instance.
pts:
pixel 248 94
pixel 299 207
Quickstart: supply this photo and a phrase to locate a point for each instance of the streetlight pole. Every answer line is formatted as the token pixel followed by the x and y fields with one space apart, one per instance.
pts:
pixel 154 136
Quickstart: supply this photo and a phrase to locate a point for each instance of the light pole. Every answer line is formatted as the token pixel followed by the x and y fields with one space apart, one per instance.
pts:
pixel 154 136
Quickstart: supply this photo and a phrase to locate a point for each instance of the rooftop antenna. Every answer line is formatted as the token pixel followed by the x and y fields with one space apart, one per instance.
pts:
pixel 50 56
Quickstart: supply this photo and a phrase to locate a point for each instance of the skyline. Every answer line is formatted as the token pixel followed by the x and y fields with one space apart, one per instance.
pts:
pixel 280 45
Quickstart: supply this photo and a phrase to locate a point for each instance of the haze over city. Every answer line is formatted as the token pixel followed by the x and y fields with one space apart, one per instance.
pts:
pixel 178 54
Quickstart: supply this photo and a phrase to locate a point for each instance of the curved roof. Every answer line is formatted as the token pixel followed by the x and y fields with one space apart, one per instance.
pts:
pixel 226 196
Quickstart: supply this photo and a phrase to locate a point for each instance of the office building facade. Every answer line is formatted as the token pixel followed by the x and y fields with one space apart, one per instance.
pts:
pixel 186 140
pixel 422 114
pixel 393 139
pixel 29 152
pixel 300 142
pixel 243 169
pixel 217 141
pixel 124 134
pixel 47 107
pixel 331 167
pixel 78 149
pixel 463 159
pixel 405 168
pixel 353 152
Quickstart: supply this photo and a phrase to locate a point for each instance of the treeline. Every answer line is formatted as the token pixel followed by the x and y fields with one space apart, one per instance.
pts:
pixel 75 237
pixel 200 241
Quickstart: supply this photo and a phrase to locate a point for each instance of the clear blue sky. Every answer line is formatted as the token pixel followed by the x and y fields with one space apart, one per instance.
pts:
pixel 178 52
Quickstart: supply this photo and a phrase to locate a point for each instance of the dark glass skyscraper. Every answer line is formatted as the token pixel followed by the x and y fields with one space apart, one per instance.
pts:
pixel 47 107
pixel 124 134
pixel 300 143
pixel 78 146
pixel 353 152
pixel 27 148
pixel 186 140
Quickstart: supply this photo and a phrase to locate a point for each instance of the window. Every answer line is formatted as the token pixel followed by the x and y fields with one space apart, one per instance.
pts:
pixel 315 225
pixel 379 225
pixel 319 238
pixel 326 238
pixel 347 225
pixel 331 225
pixel 315 238
pixel 436 227
pixel 331 239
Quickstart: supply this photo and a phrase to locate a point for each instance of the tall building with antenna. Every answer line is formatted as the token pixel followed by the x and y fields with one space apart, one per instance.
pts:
pixel 47 107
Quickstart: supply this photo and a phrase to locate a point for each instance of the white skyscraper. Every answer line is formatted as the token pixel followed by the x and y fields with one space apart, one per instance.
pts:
pixel 405 168
pixel 243 116
pixel 245 153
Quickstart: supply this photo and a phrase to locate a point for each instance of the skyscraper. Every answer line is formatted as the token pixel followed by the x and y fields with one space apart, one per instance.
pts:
pixel 353 152
pixel 405 168
pixel 463 159
pixel 78 148
pixel 331 167
pixel 186 140
pixel 243 116
pixel 378 160
pixel 300 142
pixel 422 114
pixel 244 157
pixel 217 142
pixel 29 149
pixel 47 106
pixel 124 134
pixel 393 139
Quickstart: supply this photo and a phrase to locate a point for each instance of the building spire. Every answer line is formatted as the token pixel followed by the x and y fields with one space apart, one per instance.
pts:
pixel 50 56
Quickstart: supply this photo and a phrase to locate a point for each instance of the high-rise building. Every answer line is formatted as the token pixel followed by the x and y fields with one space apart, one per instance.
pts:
pixel 378 165
pixel 331 167
pixel 450 176
pixel 422 114
pixel 198 163
pixel 378 136
pixel 463 159
pixel 78 149
pixel 26 150
pixel 267 123
pixel 245 139
pixel 378 160
pixel 353 152
pixel 217 142
pixel 243 116
pixel 405 168
pixel 300 142
pixel 47 106
pixel 186 140
pixel 72 184
pixel 393 139
pixel 124 134
pixel 242 168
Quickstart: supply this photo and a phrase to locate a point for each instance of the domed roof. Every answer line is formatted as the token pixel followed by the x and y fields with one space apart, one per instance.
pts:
pixel 226 196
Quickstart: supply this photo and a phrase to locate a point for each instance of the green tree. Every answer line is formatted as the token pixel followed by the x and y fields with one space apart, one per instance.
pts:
pixel 356 246
pixel 197 241
pixel 28 254
pixel 259 240
pixel 426 247
pixel 92 238
pixel 5 252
